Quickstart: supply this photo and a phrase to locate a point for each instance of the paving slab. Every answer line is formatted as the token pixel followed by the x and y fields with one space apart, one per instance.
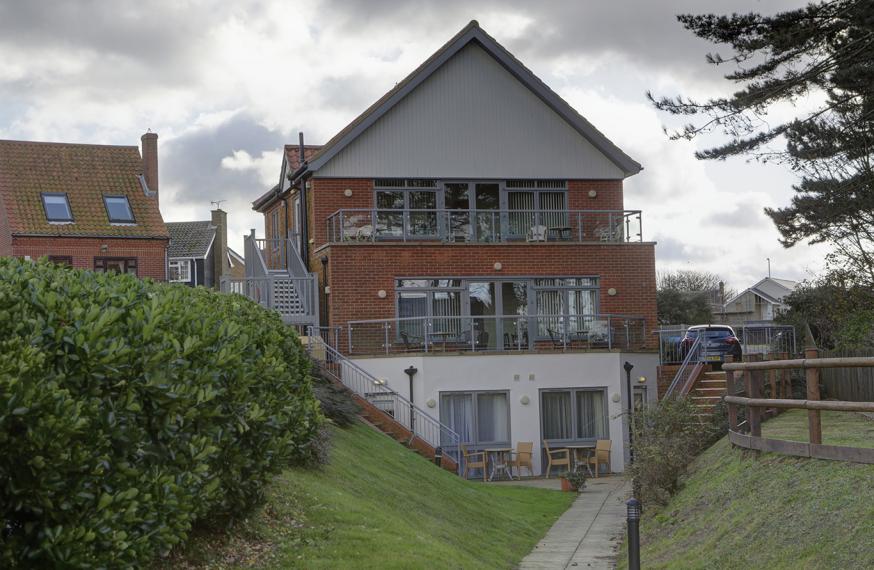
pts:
pixel 589 533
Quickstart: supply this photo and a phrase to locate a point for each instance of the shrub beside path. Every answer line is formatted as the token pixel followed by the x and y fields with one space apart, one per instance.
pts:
pixel 588 534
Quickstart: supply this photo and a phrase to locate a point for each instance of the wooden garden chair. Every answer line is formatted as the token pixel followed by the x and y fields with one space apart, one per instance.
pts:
pixel 523 457
pixel 601 456
pixel 556 457
pixel 473 460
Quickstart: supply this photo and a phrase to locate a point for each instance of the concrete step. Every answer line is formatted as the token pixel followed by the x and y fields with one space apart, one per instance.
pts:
pixel 696 399
pixel 708 391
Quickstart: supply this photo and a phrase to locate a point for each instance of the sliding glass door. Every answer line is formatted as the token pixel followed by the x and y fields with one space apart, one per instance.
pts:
pixel 574 415
pixel 480 418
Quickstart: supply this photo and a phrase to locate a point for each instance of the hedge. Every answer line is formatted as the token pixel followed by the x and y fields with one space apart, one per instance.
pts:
pixel 130 410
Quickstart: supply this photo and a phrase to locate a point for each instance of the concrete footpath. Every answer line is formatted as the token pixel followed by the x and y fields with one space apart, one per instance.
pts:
pixel 588 535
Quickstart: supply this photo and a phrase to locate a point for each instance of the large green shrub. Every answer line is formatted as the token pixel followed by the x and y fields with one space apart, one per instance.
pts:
pixel 130 410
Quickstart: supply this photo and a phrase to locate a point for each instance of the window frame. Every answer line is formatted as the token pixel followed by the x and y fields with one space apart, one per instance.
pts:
pixel 129 263
pixel 476 444
pixel 187 263
pixel 65 260
pixel 573 391
pixel 107 197
pixel 45 209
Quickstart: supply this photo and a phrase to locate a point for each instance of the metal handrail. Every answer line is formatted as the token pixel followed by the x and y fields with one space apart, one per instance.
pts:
pixel 420 423
pixel 387 224
pixel 685 371
pixel 520 332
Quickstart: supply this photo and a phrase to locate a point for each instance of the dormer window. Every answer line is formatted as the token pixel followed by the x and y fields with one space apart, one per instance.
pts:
pixel 57 207
pixel 118 209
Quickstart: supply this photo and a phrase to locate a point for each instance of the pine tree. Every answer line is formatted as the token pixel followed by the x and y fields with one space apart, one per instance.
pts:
pixel 822 51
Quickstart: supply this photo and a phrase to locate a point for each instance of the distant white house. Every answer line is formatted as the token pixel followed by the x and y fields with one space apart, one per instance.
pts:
pixel 761 302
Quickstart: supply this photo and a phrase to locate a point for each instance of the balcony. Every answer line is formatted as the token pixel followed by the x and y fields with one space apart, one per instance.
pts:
pixel 513 333
pixel 485 226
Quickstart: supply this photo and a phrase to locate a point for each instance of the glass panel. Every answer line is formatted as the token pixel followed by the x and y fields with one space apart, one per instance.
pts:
pixel 556 412
pixel 389 224
pixel 550 307
pixel 456 200
pixel 581 302
pixel 415 282
pixel 423 223
pixel 493 418
pixel 555 221
pixel 488 219
pixel 118 209
pixel 514 297
pixel 591 420
pixel 57 208
pixel 456 411
pixel 446 310
pixel 522 223
pixel 412 305
pixel 482 304
pixel 390 200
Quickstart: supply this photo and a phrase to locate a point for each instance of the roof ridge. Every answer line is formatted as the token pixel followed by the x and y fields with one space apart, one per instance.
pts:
pixel 54 143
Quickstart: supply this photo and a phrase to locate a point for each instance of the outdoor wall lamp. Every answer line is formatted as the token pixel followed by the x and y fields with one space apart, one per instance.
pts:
pixel 611 291
pixel 498 266
pixel 642 379
pixel 347 192
pixel 381 293
pixel 104 248
pixel 524 400
pixel 431 403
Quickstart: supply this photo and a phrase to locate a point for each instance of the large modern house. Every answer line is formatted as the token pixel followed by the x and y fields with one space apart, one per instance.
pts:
pixel 464 244
pixel 88 206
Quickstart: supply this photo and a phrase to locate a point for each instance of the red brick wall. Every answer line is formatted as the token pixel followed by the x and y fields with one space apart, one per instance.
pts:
pixel 359 271
pixel 5 232
pixel 150 253
pixel 608 195
pixel 328 197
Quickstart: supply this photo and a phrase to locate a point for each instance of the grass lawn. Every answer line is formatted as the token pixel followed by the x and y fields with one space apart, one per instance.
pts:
pixel 740 509
pixel 378 505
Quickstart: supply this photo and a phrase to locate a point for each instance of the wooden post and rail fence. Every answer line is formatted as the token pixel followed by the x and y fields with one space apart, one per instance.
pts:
pixel 748 434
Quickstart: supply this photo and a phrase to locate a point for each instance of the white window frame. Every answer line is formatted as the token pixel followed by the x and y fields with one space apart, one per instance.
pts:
pixel 179 264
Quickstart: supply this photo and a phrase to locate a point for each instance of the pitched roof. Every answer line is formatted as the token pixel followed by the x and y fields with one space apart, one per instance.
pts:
pixel 292 161
pixel 85 173
pixel 473 33
pixel 770 288
pixel 190 239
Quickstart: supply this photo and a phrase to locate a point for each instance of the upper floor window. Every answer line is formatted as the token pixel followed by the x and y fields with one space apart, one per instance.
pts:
pixel 118 209
pixel 57 207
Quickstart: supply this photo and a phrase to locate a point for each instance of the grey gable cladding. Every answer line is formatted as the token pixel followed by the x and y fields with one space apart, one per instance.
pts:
pixel 472 33
pixel 190 239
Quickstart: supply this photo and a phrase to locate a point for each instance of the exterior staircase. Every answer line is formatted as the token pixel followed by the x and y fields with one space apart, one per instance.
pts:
pixel 389 411
pixel 708 391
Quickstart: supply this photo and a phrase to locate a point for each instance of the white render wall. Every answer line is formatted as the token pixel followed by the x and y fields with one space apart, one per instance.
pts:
pixel 443 373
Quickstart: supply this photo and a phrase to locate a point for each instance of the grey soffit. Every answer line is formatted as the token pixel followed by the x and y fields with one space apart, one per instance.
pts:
pixel 473 33
pixel 190 239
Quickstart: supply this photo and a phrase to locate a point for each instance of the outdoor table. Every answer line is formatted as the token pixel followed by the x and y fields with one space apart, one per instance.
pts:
pixel 501 462
pixel 562 232
pixel 576 448
pixel 443 336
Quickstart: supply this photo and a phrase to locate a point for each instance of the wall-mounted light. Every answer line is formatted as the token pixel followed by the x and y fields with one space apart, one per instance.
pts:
pixel 347 192
pixel 593 194
pixel 498 266
pixel 611 291
pixel 524 400
pixel 431 403
pixel 642 379
pixel 104 248
pixel 381 293
pixel 380 382
pixel 616 397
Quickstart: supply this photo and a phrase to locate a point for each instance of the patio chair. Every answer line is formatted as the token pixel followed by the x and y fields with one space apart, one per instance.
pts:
pixel 602 455
pixel 522 457
pixel 537 233
pixel 473 460
pixel 410 344
pixel 556 457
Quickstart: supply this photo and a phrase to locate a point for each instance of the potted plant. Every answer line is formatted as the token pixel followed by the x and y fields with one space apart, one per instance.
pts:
pixel 575 481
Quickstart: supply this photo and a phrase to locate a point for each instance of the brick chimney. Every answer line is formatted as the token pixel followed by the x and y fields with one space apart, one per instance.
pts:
pixel 150 162
pixel 220 267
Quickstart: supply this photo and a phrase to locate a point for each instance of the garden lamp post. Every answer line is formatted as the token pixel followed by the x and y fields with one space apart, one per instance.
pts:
pixel 411 371
pixel 628 367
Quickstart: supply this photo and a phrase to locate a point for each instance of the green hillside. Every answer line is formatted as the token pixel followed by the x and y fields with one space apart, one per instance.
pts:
pixel 378 505
pixel 743 510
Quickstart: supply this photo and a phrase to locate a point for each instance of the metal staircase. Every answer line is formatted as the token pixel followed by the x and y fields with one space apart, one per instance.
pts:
pixel 277 279
pixel 389 411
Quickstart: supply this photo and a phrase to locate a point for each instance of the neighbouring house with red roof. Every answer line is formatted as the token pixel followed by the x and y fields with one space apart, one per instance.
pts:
pixel 88 206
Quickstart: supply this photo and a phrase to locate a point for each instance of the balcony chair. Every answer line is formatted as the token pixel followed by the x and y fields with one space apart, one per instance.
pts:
pixel 410 344
pixel 473 460
pixel 523 457
pixel 555 337
pixel 537 233
pixel 556 457
pixel 602 455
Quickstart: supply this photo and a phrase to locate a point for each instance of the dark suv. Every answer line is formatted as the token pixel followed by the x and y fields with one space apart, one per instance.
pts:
pixel 719 342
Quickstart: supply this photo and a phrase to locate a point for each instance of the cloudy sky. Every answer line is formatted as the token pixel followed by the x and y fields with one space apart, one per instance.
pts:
pixel 225 84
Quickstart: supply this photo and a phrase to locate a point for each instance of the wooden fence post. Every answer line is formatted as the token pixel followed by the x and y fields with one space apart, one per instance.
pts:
pixel 729 391
pixel 754 415
pixel 814 421
pixel 785 379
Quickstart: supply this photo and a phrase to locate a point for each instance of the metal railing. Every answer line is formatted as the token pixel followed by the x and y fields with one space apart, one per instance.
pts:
pixel 485 226
pixel 690 367
pixel 495 333
pixel 754 339
pixel 278 281
pixel 380 395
